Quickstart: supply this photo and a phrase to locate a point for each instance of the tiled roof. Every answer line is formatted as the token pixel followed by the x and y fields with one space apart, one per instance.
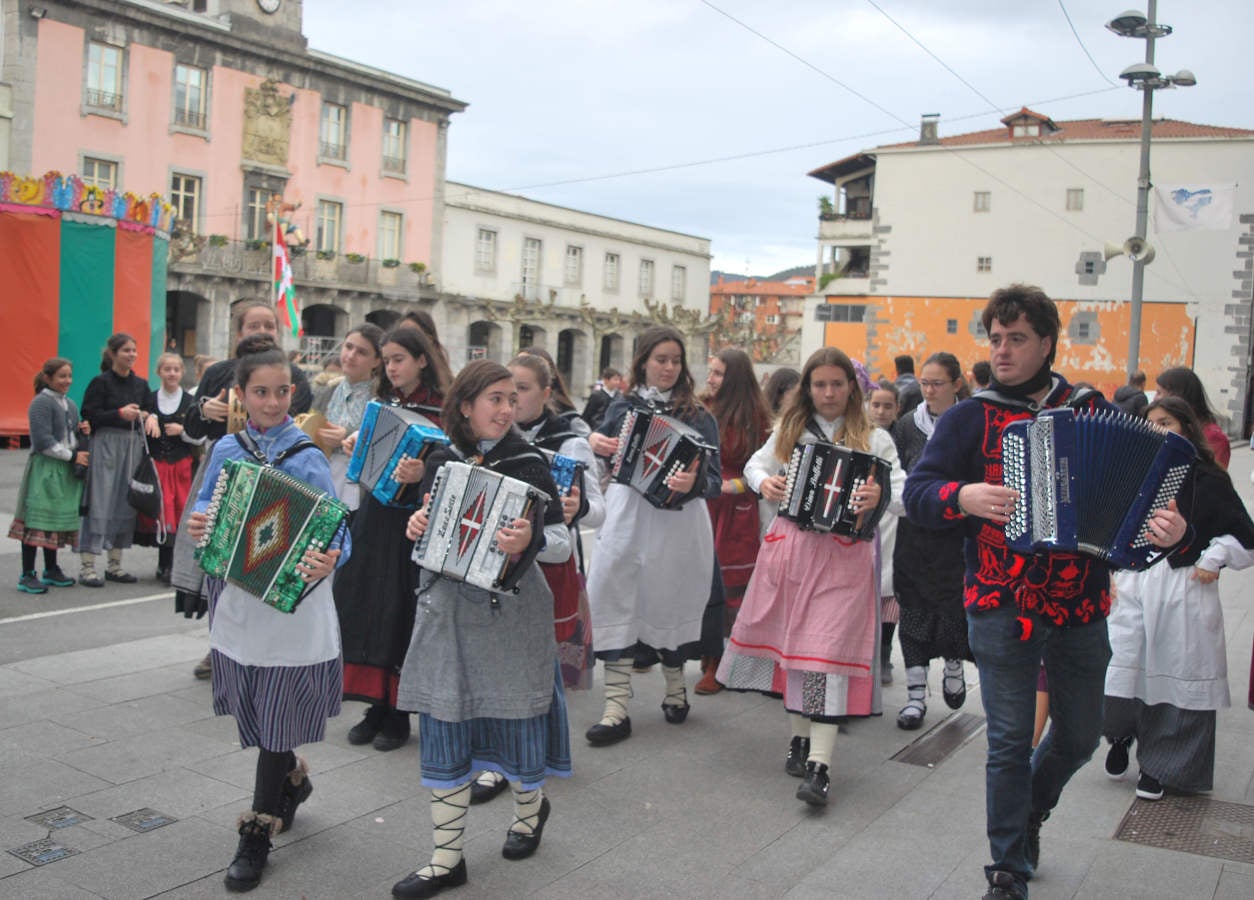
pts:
pixel 1068 130
pixel 1089 130
pixel 804 288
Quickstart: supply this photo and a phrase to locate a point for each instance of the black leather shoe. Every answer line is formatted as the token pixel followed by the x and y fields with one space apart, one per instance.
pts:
pixel 482 793
pixel 519 845
pixel 386 742
pixel 814 789
pixel 429 885
pixel 121 577
pixel 365 731
pixel 798 750
pixel 675 714
pixel 603 735
pixel 395 731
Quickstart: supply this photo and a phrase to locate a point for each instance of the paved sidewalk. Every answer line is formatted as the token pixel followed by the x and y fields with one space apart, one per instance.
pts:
pixel 99 712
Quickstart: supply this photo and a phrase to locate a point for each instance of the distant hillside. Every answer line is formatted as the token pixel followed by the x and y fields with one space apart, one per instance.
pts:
pixel 794 272
pixel 778 276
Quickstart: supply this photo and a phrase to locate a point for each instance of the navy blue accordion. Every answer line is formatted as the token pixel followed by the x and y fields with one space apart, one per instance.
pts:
pixel 1089 481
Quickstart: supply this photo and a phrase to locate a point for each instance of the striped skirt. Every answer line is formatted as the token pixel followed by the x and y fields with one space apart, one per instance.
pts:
pixel 275 707
pixel 523 750
pixel 1175 746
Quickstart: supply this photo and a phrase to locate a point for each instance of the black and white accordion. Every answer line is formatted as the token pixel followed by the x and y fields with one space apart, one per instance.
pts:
pixel 469 504
pixel 1088 482
pixel 819 487
pixel 651 448
pixel 389 434
pixel 260 523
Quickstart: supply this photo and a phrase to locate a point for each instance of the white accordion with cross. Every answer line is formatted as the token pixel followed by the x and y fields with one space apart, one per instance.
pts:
pixel 469 505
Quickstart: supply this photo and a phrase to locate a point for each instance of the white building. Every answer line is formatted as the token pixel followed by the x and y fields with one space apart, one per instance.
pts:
pixel 518 272
pixel 922 232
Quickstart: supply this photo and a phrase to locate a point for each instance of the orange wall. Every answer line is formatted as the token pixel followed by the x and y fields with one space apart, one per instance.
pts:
pixel 918 326
pixel 149 152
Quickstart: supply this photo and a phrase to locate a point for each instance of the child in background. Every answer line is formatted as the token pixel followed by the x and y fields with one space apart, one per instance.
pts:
pixel 172 452
pixel 1168 671
pixel 374 592
pixel 882 411
pixel 277 673
pixel 47 501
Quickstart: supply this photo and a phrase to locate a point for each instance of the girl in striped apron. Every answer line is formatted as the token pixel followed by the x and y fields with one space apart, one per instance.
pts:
pixel 278 674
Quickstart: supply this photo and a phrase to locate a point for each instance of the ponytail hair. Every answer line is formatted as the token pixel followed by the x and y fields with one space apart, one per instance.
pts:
pixel 115 343
pixel 43 378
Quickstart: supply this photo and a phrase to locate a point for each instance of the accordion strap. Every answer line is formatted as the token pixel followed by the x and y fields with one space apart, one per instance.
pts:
pixel 246 441
pixel 1079 397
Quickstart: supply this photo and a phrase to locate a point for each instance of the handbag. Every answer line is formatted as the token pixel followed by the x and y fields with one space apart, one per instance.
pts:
pixel 144 491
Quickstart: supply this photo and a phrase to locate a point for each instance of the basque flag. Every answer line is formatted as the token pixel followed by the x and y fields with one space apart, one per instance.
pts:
pixel 284 290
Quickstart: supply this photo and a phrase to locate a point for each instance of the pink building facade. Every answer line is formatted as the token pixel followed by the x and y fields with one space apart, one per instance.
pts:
pixel 220 106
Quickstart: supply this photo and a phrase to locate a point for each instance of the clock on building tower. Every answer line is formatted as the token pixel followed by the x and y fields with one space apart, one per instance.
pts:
pixel 269 6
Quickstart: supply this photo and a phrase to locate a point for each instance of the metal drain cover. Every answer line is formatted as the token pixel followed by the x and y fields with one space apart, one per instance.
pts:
pixel 941 740
pixel 61 817
pixel 1191 825
pixel 143 820
pixel 42 852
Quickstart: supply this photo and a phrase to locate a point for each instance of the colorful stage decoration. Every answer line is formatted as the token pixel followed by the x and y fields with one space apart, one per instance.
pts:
pixel 77 263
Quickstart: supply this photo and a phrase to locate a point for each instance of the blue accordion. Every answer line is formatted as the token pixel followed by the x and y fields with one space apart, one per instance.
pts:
pixel 1088 482
pixel 567 472
pixel 389 434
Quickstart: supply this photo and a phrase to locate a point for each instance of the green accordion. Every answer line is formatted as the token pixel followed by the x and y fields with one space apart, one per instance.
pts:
pixel 261 522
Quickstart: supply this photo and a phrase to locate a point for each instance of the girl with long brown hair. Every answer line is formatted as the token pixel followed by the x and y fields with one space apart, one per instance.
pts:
pixel 374 591
pixel 809 623
pixel 653 568
pixel 737 404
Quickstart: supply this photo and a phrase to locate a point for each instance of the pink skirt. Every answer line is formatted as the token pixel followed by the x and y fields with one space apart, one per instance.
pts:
pixel 810 618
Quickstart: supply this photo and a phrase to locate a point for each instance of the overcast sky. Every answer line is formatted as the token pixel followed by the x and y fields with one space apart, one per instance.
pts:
pixel 563 93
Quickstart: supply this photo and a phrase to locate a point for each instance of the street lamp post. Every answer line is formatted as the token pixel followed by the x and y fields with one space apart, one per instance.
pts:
pixel 1146 78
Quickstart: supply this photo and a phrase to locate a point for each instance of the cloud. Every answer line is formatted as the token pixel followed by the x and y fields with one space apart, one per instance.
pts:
pixel 562 90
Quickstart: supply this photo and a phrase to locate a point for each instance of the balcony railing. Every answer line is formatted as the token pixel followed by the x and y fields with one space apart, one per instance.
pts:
pixel 104 99
pixel 332 150
pixel 394 165
pixel 190 118
pixel 254 259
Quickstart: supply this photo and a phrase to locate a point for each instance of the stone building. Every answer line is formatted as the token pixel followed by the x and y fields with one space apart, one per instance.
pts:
pixel 519 273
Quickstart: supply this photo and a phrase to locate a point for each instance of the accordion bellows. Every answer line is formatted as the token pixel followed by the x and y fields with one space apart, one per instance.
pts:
pixel 469 504
pixel 653 447
pixel 261 522
pixel 387 435
pixel 1088 482
pixel 819 487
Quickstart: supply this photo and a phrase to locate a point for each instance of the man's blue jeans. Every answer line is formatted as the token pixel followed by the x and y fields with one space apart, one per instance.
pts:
pixel 1018 782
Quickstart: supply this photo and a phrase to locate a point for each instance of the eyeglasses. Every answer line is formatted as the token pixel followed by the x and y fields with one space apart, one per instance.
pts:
pixel 936 384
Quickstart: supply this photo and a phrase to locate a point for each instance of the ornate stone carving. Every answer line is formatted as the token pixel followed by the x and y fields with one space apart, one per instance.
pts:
pixel 267 124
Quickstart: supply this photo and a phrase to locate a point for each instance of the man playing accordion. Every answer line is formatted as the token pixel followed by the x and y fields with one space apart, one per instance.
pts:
pixel 1022 610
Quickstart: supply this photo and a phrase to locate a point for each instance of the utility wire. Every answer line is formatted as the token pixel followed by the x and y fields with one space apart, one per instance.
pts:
pixel 805 62
pixel 1067 16
pixel 670 167
pixel 1185 288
